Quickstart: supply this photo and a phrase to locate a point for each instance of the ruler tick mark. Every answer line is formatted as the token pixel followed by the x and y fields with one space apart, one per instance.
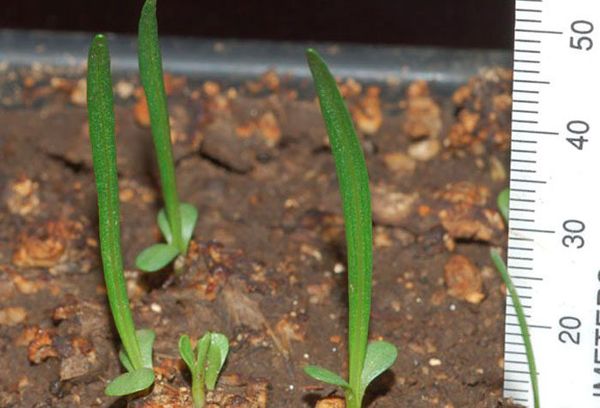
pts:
pixel 542 231
pixel 526 61
pixel 525 111
pixel 536 132
pixel 524 30
pixel 528 181
pixel 525 101
pixel 525 91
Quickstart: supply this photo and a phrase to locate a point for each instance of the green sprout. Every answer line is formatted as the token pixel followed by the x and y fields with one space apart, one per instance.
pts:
pixel 177 222
pixel 136 355
pixel 366 361
pixel 503 204
pixel 205 362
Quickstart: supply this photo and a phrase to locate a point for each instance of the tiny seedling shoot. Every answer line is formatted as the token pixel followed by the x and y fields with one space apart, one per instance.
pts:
pixel 136 355
pixel 177 220
pixel 503 203
pixel 205 362
pixel 366 361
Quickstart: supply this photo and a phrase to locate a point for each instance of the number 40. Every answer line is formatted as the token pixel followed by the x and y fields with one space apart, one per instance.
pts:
pixel 577 128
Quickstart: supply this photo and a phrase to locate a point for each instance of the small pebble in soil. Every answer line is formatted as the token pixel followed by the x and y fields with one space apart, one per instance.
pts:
pixel 435 362
pixel 463 279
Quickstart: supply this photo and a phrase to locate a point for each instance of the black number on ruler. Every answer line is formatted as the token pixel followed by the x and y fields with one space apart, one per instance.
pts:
pixel 577 127
pixel 575 227
pixel 580 41
pixel 570 333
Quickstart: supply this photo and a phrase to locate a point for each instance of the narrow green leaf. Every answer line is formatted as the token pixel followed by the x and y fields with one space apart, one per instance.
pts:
pixel 189 216
pixel 124 359
pixel 156 257
pixel 217 354
pixel 202 350
pixel 326 376
pixel 151 75
pixel 163 224
pixel 503 203
pixel 130 383
pixel 186 353
pixel 501 267
pixel 353 179
pixel 380 356
pixel 102 136
pixel 146 340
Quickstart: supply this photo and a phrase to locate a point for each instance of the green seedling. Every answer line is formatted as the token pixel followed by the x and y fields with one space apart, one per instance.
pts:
pixel 136 355
pixel 205 362
pixel 366 361
pixel 177 220
pixel 503 204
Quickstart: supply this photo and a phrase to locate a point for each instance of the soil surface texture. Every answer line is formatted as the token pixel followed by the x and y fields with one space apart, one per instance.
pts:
pixel 266 266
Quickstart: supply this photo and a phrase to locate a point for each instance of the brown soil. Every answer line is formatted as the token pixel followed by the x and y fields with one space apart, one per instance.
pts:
pixel 267 263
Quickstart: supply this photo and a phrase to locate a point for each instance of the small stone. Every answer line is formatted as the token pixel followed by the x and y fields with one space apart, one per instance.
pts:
pixel 11 316
pixel 423 114
pixel 465 192
pixel 41 347
pixel 39 252
pixel 424 150
pixel 339 268
pixel 435 362
pixel 367 113
pixel 399 162
pixel 391 207
pixel 140 109
pixel 124 89
pixel 497 170
pixel 79 93
pixel 463 279
pixel 269 129
pixel 331 402
pixel 211 88
pixel 318 293
pixel 22 197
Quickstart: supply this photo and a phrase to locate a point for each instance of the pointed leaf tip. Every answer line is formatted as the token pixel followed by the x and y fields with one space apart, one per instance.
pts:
pixel 326 376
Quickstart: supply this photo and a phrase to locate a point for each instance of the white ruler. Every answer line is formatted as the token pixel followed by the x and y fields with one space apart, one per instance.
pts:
pixel 554 228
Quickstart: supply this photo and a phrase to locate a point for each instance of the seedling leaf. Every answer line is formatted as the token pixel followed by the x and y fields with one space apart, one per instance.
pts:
pixel 201 350
pixel 326 376
pixel 146 340
pixel 353 181
pixel 163 224
pixel 102 137
pixel 189 216
pixel 124 358
pixel 186 353
pixel 130 383
pixel 380 356
pixel 217 354
pixel 502 202
pixel 151 76
pixel 156 257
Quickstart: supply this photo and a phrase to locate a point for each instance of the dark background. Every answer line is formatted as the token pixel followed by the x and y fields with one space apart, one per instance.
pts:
pixel 449 23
